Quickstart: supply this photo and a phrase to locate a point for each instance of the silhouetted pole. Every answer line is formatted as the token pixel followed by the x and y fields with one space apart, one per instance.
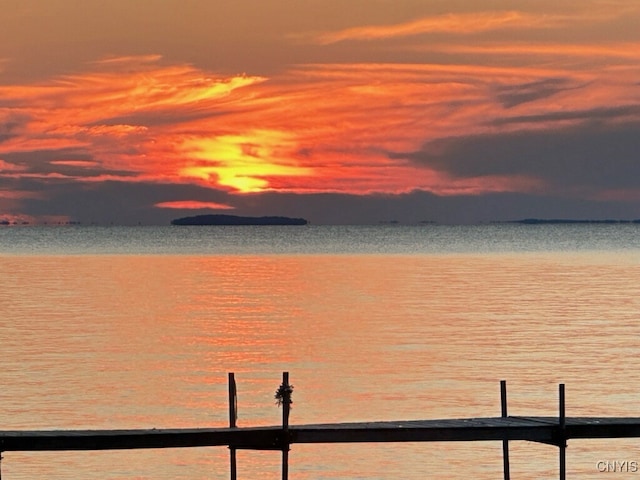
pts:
pixel 505 443
pixel 283 395
pixel 563 435
pixel 233 417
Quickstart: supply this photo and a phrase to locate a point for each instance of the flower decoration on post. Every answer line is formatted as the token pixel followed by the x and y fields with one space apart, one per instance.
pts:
pixel 283 395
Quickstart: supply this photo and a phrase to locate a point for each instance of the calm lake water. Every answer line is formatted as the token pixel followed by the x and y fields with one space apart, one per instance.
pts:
pixel 138 328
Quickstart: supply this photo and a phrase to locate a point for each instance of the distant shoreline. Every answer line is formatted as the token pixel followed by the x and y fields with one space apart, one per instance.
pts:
pixel 223 220
pixel 544 221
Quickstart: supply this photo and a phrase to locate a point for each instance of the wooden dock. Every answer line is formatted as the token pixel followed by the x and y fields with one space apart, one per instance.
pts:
pixel 535 429
pixel 549 430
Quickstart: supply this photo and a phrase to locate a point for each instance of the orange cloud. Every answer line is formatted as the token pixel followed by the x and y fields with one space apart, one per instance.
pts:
pixel 6 167
pixel 75 163
pixel 127 60
pixel 466 23
pixel 17 194
pixel 577 56
pixel 133 114
pixel 460 23
pixel 194 205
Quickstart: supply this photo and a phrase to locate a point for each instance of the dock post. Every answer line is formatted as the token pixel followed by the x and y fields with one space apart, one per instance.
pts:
pixel 285 391
pixel 233 417
pixel 562 445
pixel 505 443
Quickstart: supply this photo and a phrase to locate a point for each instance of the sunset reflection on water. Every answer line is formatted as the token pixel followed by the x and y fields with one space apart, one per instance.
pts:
pixel 147 341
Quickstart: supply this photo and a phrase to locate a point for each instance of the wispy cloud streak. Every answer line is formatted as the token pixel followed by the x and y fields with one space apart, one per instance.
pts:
pixel 460 24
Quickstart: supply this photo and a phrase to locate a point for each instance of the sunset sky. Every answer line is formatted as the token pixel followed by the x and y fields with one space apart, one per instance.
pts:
pixel 338 111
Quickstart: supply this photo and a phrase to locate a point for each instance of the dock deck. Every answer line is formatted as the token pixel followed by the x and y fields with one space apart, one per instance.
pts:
pixel 535 429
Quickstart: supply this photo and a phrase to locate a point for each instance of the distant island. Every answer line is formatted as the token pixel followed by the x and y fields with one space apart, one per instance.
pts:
pixel 237 220
pixel 542 221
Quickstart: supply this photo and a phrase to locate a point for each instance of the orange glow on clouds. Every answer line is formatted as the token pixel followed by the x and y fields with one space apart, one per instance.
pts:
pixel 463 23
pixel 342 127
pixel 243 162
pixel 466 23
pixel 6 167
pixel 194 205
pixel 16 194
pixel 75 163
